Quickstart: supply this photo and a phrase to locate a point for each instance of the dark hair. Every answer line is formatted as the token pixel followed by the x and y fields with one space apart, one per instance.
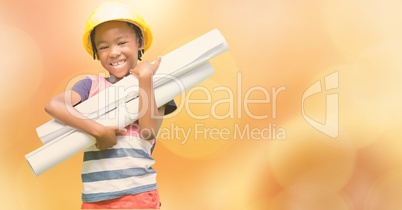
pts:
pixel 137 31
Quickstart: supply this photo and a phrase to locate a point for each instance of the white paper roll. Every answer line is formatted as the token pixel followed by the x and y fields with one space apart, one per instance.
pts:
pixel 69 144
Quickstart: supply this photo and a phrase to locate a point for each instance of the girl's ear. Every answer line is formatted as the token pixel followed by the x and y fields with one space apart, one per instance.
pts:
pixel 141 43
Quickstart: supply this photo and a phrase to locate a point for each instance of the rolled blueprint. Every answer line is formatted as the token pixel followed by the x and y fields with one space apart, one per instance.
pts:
pixel 174 64
pixel 58 150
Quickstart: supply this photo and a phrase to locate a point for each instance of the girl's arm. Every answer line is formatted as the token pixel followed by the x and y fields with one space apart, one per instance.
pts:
pixel 61 108
pixel 150 116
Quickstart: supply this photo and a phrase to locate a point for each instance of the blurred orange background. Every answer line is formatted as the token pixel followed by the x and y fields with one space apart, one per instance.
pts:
pixel 274 45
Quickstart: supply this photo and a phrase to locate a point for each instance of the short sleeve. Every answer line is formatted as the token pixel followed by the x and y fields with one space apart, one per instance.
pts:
pixel 170 107
pixel 83 87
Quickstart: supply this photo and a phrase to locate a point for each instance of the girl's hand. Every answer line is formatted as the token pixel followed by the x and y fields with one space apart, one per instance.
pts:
pixel 106 136
pixel 146 69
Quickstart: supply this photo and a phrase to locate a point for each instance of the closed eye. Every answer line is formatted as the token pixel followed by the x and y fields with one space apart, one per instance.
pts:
pixel 103 48
pixel 122 43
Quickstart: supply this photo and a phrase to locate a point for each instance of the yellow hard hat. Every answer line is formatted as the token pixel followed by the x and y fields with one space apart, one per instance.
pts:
pixel 114 10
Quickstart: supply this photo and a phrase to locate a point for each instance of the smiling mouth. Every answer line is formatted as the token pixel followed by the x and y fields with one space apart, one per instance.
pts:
pixel 118 63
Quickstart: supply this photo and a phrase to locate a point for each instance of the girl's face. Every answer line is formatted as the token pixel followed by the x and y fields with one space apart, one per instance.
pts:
pixel 117 46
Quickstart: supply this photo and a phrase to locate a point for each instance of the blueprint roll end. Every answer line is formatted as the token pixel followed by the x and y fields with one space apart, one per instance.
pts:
pixel 30 166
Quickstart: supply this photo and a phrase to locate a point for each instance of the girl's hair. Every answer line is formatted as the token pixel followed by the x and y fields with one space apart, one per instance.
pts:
pixel 137 31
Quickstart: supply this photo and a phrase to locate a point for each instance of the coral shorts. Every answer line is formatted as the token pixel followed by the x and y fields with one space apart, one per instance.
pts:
pixel 146 200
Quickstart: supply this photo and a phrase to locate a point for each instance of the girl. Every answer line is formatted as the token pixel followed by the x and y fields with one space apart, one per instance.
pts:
pixel 117 170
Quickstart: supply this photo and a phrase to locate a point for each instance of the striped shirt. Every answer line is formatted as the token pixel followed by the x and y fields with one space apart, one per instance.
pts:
pixel 124 169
